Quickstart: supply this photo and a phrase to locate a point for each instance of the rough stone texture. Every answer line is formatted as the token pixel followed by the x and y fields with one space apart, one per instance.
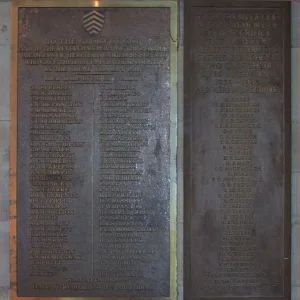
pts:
pixel 4 80
pixel 4 262
pixel 296 202
pixel 295 235
pixel 295 56
pixel 4 172
pixel 295 146
pixel 295 30
pixel 4 146
pixel 4 23
pixel 4 292
pixel 4 209
pixel 295 257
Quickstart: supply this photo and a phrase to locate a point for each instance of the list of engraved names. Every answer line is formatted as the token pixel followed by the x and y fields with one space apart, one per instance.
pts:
pixel 93 153
pixel 238 107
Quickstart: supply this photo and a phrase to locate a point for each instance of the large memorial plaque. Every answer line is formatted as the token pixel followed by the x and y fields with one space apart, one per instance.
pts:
pixel 237 150
pixel 94 114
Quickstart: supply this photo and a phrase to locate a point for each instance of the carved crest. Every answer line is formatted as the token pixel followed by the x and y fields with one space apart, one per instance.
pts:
pixel 93 21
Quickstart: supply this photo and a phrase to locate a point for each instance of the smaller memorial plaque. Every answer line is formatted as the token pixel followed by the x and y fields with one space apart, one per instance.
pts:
pixel 95 102
pixel 237 150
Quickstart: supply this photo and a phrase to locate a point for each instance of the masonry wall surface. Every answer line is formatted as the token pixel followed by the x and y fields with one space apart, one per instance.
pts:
pixel 4 146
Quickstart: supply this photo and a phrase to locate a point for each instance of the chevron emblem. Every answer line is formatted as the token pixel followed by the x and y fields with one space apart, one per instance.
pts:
pixel 93 21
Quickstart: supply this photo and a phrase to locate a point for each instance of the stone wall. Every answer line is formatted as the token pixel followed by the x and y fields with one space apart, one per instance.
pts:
pixel 295 150
pixel 5 135
pixel 4 146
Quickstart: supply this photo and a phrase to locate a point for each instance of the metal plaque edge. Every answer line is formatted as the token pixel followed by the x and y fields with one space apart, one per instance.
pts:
pixel 263 4
pixel 15 5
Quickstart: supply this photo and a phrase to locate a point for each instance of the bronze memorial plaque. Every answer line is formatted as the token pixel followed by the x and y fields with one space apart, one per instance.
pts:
pixel 237 150
pixel 95 103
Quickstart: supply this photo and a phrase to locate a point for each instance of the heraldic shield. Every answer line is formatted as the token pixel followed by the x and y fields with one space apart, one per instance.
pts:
pixel 93 21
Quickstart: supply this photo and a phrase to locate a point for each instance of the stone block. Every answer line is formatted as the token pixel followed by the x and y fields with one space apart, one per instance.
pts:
pixel 4 259
pixel 4 81
pixel 4 171
pixel 4 23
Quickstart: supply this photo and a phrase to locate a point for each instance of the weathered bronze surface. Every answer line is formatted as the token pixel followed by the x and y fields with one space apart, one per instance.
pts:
pixel 237 150
pixel 94 150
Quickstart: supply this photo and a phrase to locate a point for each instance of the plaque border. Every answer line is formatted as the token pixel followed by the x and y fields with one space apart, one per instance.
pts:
pixel 172 5
pixel 187 165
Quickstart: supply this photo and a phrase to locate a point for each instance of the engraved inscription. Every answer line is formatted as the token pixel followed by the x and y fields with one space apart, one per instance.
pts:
pixel 93 154
pixel 237 111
